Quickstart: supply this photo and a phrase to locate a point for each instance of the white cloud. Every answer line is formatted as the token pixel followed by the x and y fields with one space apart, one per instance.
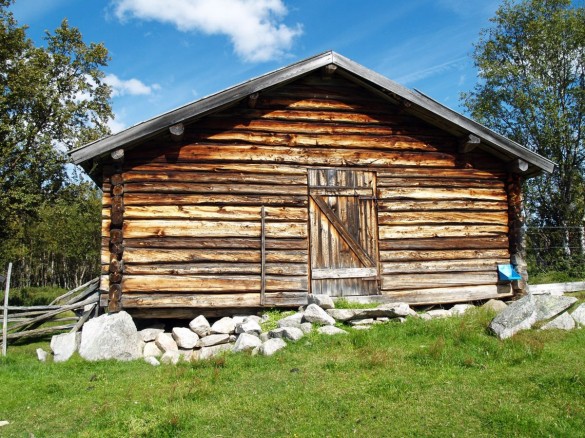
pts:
pixel 133 87
pixel 254 27
pixel 116 125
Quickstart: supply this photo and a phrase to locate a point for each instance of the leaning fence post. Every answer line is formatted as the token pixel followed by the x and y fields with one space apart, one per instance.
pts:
pixel 5 320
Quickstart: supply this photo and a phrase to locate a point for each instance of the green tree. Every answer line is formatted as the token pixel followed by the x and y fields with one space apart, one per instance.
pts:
pixel 531 88
pixel 52 100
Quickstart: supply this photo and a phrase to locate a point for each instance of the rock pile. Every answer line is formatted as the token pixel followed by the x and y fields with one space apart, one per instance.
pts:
pixel 114 336
pixel 531 309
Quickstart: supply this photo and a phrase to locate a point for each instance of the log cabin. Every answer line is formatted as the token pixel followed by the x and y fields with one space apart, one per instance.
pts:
pixel 322 177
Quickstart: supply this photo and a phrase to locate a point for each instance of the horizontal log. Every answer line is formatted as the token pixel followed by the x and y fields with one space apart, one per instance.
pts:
pixel 321 274
pixel 276 169
pixel 292 139
pixel 428 280
pixel 441 174
pixel 315 116
pixel 228 284
pixel 43 331
pixel 285 269
pixel 306 156
pixel 455 294
pixel 186 228
pixel 164 175
pixel 428 231
pixel 148 256
pixel 441 205
pixel 420 255
pixel 556 288
pixel 430 193
pixel 497 242
pixel 399 126
pixel 218 243
pixel 216 199
pixel 443 217
pixel 240 212
pixel 441 183
pixel 442 266
pixel 211 188
pixel 206 301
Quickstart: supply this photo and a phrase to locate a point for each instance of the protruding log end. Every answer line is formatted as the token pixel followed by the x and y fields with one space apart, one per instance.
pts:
pixel 518 166
pixel 177 131
pixel 118 155
pixel 468 143
pixel 253 99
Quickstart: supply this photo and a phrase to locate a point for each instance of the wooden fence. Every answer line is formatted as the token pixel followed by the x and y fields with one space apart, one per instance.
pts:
pixel 27 321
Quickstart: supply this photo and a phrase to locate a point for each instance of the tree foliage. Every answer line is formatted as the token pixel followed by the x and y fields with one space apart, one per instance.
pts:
pixel 531 88
pixel 53 99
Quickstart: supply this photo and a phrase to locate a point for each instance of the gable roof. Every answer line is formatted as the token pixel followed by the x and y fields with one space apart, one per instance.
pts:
pixel 413 102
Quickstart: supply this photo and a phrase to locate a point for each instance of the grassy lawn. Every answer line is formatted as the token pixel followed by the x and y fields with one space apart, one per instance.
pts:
pixel 420 378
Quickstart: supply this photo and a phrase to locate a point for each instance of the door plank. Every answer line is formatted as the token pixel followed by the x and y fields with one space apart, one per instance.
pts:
pixel 340 228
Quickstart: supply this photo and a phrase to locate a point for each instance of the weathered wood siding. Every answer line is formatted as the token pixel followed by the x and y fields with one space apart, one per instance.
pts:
pixel 192 209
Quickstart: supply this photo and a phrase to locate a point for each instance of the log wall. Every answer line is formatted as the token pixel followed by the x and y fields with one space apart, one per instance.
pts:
pixel 192 227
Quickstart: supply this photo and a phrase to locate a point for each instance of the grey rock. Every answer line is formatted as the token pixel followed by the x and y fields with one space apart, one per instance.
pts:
pixel 264 336
pixel 438 313
pixel 362 327
pixel 111 336
pixel 150 334
pixel 42 355
pixel 211 340
pixel 520 315
pixel 64 345
pixel 316 315
pixel 152 361
pixel 291 321
pixel 366 321
pixel 185 354
pixel 200 326
pixel 323 301
pixel 306 327
pixel 225 325
pixel 170 357
pixel 165 342
pixel 548 306
pixel 246 342
pixel 343 315
pixel 425 317
pixel 562 322
pixel 151 349
pixel 331 330
pixel 390 310
pixel 383 319
pixel 255 318
pixel 248 326
pixel 212 351
pixel 495 305
pixel 579 314
pixel 271 346
pixel 460 309
pixel 289 333
pixel 185 337
pixel 238 319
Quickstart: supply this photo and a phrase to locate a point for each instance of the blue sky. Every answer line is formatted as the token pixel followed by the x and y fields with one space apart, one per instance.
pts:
pixel 166 53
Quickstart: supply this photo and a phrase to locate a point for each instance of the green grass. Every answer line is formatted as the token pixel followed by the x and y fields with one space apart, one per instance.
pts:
pixel 421 378
pixel 32 296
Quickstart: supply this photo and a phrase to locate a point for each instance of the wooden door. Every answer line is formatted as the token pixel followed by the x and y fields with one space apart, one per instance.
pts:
pixel 344 232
